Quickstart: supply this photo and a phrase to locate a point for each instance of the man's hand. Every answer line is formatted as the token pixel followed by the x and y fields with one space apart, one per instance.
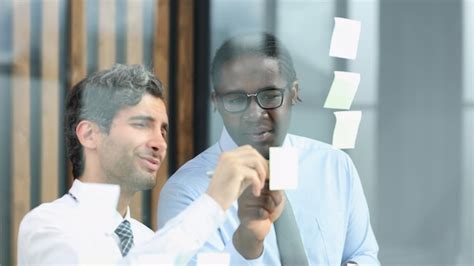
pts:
pixel 256 214
pixel 236 170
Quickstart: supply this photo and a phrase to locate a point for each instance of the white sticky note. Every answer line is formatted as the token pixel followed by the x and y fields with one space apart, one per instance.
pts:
pixel 283 168
pixel 209 258
pixel 103 196
pixel 99 202
pixel 345 38
pixel 343 90
pixel 347 126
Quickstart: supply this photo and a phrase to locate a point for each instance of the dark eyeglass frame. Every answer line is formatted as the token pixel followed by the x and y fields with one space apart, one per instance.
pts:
pixel 220 96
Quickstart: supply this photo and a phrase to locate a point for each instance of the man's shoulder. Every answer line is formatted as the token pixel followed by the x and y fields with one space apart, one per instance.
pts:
pixel 309 143
pixel 49 208
pixel 49 214
pixel 194 172
pixel 187 184
pixel 316 147
pixel 305 142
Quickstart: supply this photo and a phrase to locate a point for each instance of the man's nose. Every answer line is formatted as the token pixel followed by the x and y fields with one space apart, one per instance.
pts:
pixel 158 143
pixel 254 111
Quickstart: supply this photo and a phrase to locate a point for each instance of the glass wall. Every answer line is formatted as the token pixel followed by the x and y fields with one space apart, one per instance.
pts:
pixel 414 150
pixel 467 224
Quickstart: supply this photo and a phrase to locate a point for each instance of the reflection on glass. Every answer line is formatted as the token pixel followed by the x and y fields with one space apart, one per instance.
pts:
pixel 416 91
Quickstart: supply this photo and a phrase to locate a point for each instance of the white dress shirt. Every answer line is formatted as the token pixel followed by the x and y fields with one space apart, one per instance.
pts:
pixel 63 232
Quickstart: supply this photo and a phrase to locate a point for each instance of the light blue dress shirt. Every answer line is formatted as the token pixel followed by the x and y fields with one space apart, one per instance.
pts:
pixel 329 205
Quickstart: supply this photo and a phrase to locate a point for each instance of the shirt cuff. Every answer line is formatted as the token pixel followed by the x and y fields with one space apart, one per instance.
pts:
pixel 237 259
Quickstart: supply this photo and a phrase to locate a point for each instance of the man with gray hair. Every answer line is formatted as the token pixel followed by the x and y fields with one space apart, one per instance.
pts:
pixel 116 128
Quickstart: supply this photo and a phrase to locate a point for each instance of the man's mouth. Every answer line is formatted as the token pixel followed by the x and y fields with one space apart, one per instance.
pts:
pixel 151 164
pixel 260 136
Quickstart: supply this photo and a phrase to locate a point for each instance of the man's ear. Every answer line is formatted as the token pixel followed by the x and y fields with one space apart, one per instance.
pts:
pixel 87 133
pixel 214 100
pixel 295 93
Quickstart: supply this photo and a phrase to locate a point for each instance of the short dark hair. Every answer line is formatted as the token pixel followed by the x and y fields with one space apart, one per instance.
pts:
pixel 259 44
pixel 99 97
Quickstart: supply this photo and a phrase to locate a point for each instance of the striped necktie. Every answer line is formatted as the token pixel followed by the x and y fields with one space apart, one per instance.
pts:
pixel 290 245
pixel 125 234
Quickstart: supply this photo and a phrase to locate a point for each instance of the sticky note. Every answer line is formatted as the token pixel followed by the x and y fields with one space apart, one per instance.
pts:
pixel 99 202
pixel 283 168
pixel 345 132
pixel 208 258
pixel 104 196
pixel 345 38
pixel 343 90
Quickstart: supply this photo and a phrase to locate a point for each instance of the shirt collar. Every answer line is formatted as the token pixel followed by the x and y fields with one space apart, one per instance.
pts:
pixel 118 219
pixel 226 142
pixel 79 190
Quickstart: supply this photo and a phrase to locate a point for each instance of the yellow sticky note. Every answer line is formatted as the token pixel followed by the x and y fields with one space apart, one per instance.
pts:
pixel 347 126
pixel 283 168
pixel 343 90
pixel 213 258
pixel 345 38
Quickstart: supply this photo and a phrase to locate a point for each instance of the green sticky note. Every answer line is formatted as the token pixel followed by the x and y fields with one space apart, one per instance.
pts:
pixel 343 90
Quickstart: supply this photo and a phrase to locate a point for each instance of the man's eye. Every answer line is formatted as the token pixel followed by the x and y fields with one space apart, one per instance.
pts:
pixel 269 97
pixel 235 99
pixel 139 125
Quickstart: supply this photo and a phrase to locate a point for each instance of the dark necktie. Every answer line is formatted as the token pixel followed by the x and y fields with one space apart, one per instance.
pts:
pixel 289 241
pixel 125 234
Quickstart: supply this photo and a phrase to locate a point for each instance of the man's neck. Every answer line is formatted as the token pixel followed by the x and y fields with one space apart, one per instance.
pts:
pixel 124 201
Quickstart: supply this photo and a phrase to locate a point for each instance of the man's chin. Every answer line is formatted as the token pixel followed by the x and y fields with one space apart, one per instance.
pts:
pixel 264 150
pixel 146 181
pixel 263 147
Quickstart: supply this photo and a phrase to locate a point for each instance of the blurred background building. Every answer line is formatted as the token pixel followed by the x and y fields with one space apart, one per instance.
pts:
pixel 414 152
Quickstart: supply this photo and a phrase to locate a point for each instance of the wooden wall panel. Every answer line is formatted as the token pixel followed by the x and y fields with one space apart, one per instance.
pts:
pixel 161 68
pixel 78 41
pixel 134 53
pixel 21 172
pixel 161 41
pixel 185 82
pixel 135 35
pixel 50 101
pixel 107 34
pixel 78 53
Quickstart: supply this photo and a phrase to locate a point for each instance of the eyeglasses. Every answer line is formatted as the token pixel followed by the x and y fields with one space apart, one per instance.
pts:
pixel 267 98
